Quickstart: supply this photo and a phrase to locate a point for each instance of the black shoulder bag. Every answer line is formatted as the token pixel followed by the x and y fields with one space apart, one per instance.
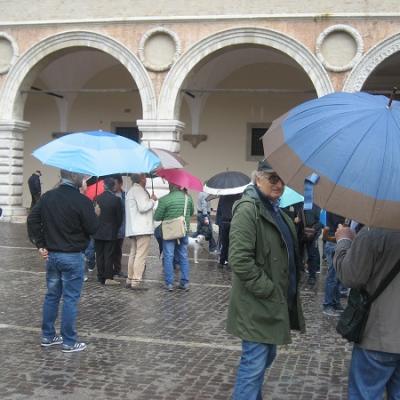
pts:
pixel 352 322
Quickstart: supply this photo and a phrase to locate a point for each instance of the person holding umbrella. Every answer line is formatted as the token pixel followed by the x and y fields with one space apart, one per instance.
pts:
pixel 264 301
pixel 60 226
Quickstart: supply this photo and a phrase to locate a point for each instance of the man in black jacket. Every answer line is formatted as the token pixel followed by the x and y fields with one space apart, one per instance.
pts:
pixel 35 187
pixel 60 225
pixel 105 238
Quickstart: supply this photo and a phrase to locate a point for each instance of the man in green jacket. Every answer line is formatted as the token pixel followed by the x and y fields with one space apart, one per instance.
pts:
pixel 264 302
pixel 172 206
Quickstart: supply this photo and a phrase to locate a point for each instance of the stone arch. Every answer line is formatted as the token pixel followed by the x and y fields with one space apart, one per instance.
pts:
pixel 375 56
pixel 169 99
pixel 11 101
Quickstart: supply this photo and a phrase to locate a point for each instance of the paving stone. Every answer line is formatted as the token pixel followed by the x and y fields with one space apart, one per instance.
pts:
pixel 152 345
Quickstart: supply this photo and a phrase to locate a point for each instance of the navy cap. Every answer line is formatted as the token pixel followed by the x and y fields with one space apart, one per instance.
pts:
pixel 264 166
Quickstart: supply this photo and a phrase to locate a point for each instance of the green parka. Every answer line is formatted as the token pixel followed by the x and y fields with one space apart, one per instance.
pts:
pixel 258 309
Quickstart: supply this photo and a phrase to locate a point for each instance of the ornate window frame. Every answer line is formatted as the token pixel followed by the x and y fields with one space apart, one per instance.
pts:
pixel 147 36
pixel 340 28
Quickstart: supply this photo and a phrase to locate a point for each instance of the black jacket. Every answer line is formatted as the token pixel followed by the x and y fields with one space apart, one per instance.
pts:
pixel 110 216
pixel 62 220
pixel 34 184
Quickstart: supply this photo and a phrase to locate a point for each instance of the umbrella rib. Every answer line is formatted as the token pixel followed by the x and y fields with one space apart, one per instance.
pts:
pixel 305 162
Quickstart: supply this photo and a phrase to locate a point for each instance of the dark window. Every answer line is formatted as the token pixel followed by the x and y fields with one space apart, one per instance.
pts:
pixel 256 147
pixel 130 132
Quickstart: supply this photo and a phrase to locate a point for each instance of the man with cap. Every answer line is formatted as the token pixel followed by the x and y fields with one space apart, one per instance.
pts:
pixel 35 187
pixel 264 301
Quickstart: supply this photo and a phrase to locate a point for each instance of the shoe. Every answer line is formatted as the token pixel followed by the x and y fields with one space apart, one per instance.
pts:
pixel 75 348
pixel 330 311
pixel 57 339
pixel 128 285
pixel 85 278
pixel 139 286
pixel 184 287
pixel 318 271
pixel 120 275
pixel 339 308
pixel 170 287
pixel 111 282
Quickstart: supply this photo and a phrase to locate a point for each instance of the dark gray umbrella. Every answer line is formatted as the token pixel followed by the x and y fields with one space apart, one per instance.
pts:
pixel 225 183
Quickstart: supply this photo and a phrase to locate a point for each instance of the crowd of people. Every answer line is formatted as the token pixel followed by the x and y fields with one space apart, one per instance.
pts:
pixel 266 247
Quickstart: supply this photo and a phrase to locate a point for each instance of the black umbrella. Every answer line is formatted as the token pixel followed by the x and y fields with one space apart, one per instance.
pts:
pixel 225 183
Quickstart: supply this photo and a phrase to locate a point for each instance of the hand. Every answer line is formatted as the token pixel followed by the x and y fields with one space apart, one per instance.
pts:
pixel 344 232
pixel 297 220
pixel 44 253
pixel 97 210
pixel 206 221
pixel 153 197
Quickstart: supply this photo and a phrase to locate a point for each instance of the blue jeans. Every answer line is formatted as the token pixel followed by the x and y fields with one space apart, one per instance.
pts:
pixel 180 249
pixel 371 372
pixel 332 284
pixel 255 359
pixel 64 278
pixel 90 255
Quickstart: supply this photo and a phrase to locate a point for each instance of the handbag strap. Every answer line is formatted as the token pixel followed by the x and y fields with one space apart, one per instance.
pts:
pixel 184 209
pixel 385 282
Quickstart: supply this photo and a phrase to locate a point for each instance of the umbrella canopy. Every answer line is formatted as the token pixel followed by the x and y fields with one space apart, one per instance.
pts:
pixel 352 142
pixel 181 178
pixel 95 189
pixel 97 153
pixel 225 183
pixel 168 159
pixel 290 197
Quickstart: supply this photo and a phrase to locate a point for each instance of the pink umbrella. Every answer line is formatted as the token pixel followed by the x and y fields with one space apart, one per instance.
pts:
pixel 181 178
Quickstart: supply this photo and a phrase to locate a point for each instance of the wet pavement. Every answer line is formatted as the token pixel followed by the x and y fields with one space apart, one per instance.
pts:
pixel 154 344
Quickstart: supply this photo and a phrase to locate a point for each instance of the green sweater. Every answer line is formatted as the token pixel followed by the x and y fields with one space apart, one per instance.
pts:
pixel 172 206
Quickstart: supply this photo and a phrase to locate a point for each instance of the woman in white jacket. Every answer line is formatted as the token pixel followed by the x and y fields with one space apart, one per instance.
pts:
pixel 139 228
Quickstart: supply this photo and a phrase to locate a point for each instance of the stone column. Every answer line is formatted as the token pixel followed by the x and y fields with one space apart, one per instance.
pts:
pixel 11 168
pixel 163 134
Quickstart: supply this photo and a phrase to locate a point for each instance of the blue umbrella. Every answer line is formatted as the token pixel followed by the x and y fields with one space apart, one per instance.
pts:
pixel 352 142
pixel 290 197
pixel 97 153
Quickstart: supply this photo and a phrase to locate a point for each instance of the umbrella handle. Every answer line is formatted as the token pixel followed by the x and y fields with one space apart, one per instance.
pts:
pixel 152 185
pixel 392 96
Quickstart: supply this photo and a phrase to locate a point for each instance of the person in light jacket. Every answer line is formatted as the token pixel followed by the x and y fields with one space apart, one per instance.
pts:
pixel 139 228
pixel 363 261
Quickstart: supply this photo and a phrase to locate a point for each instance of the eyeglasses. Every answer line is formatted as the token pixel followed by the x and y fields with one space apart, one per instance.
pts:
pixel 274 179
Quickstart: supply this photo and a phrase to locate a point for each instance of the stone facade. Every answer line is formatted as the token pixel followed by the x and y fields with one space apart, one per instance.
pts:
pixel 289 30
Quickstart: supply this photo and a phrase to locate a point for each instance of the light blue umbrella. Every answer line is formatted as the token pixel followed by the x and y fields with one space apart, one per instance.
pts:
pixel 352 142
pixel 290 197
pixel 97 153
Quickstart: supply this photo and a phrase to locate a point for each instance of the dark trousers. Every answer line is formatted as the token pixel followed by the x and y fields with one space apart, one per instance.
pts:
pixel 313 257
pixel 104 259
pixel 117 255
pixel 35 199
pixel 225 228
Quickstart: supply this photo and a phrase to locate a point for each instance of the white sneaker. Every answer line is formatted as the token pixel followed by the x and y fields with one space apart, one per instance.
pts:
pixel 75 348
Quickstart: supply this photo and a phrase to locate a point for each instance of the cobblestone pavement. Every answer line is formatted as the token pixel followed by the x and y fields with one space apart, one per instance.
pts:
pixel 150 345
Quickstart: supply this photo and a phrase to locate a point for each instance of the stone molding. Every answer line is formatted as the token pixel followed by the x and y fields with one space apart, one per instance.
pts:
pixel 147 36
pixel 12 167
pixel 11 102
pixel 376 55
pixel 340 28
pixel 163 134
pixel 169 102
pixel 15 51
